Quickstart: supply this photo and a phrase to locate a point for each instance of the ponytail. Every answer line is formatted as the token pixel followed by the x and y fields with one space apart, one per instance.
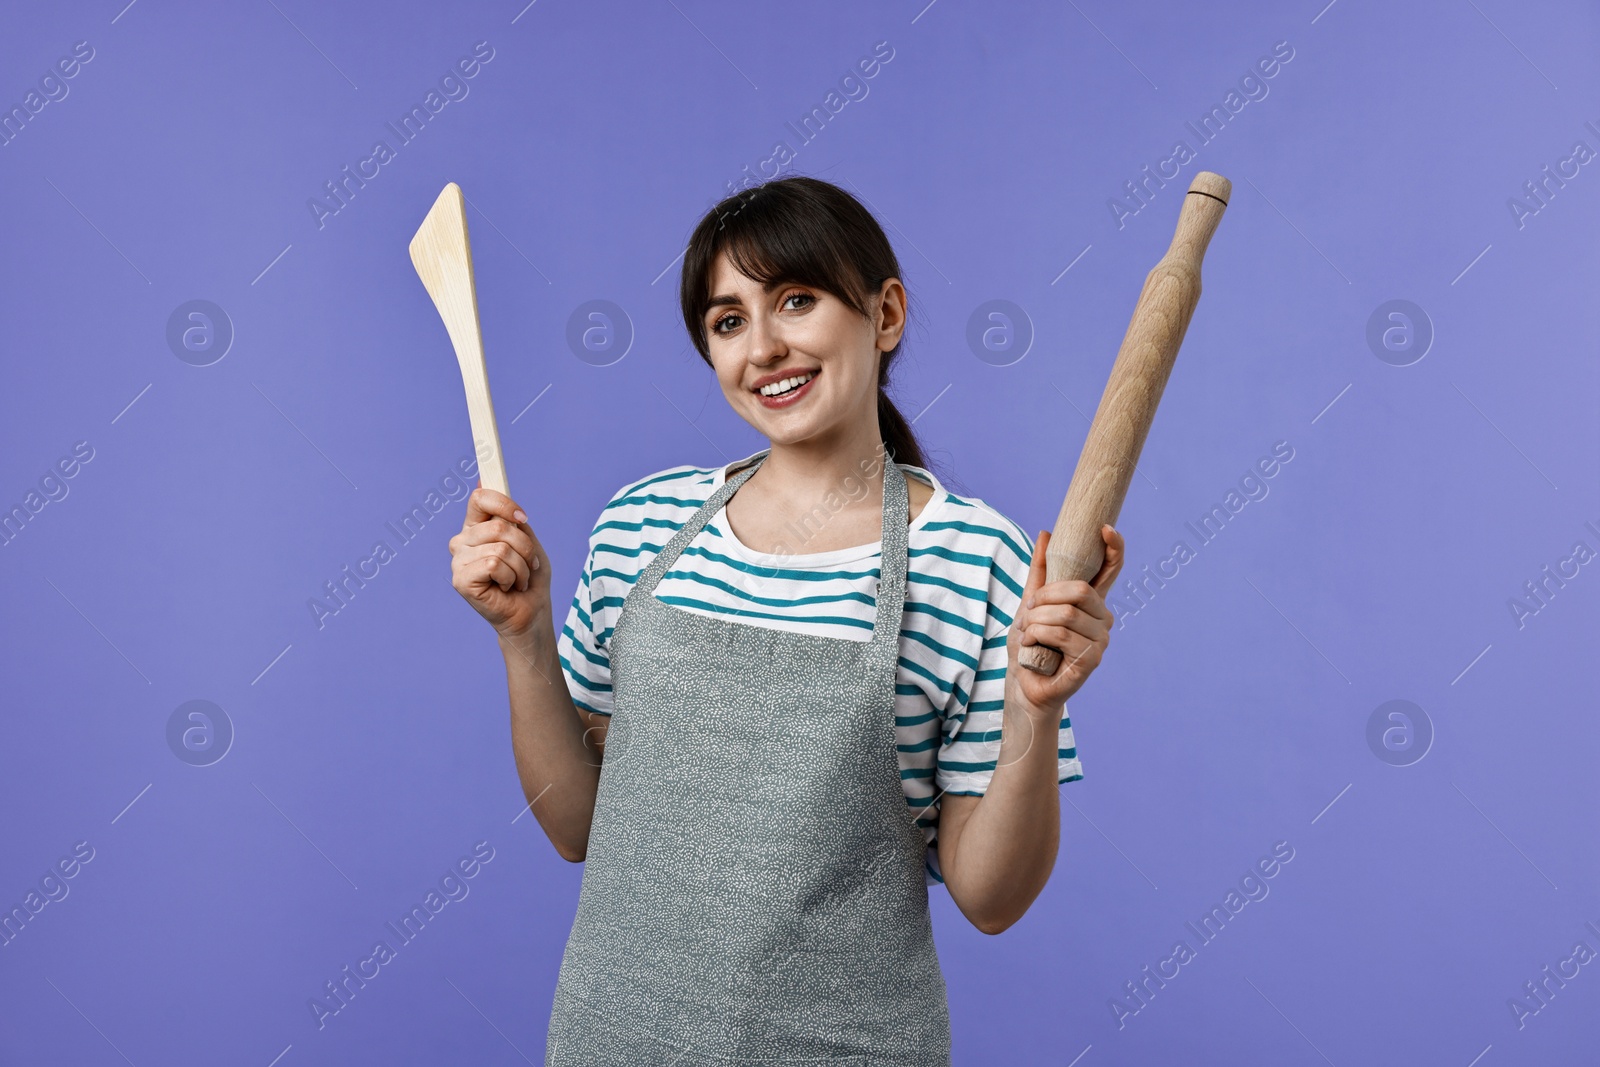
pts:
pixel 898 440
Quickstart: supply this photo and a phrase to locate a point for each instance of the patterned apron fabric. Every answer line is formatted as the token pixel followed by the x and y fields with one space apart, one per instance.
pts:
pixel 754 886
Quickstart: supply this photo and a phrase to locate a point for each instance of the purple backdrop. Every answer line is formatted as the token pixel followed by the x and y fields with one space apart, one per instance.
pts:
pixel 1378 660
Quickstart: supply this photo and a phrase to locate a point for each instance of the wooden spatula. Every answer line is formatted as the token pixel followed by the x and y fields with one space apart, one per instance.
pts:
pixel 442 255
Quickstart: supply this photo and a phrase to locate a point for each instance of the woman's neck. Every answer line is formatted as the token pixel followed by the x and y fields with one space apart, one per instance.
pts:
pixel 811 471
pixel 812 498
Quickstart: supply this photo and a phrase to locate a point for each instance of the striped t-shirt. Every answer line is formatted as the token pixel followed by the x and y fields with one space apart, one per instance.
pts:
pixel 966 568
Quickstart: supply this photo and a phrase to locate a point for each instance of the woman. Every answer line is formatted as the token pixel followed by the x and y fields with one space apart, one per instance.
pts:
pixel 779 680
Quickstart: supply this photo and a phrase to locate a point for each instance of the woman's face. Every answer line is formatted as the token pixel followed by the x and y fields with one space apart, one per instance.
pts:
pixel 761 340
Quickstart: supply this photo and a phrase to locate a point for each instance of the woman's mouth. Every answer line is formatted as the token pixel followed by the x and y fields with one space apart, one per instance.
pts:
pixel 783 393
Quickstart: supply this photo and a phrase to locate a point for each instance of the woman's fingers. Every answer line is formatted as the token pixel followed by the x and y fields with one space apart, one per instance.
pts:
pixel 493 519
pixel 501 567
pixel 486 503
pixel 494 562
pixel 1078 594
pixel 497 529
pixel 1066 617
pixel 1070 643
pixel 1053 610
pixel 1071 617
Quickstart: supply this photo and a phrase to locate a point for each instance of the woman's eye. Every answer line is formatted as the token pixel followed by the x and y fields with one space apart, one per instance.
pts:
pixel 732 321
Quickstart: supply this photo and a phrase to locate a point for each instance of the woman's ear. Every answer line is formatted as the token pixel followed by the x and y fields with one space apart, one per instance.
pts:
pixel 891 314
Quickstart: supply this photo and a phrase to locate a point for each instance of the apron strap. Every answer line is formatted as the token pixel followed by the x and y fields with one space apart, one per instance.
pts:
pixel 892 560
pixel 673 548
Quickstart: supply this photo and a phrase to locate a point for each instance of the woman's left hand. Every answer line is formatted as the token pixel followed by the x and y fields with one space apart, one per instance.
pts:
pixel 1071 617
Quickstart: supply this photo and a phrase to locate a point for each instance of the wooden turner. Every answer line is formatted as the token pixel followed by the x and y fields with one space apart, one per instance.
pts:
pixel 442 255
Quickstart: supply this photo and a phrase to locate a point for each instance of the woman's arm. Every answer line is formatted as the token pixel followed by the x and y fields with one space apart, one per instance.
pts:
pixel 499 567
pixel 556 748
pixel 996 851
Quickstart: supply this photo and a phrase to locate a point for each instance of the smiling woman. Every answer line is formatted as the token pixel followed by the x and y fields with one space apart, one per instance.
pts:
pixel 812 252
pixel 768 747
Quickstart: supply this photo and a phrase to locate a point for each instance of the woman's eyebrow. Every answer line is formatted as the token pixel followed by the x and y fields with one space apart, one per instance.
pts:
pixel 729 298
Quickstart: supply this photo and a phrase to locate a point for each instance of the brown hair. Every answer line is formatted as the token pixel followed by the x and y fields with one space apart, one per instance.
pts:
pixel 811 232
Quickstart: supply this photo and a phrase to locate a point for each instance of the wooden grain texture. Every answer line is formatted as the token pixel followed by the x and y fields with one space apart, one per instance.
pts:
pixel 1128 406
pixel 442 254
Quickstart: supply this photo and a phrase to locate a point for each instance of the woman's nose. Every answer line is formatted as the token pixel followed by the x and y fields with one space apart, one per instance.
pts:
pixel 766 342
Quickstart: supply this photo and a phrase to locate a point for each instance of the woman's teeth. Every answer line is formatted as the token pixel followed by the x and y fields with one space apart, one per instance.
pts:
pixel 779 388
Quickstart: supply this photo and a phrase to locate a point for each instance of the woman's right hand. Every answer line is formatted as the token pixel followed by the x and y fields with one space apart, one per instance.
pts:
pixel 499 567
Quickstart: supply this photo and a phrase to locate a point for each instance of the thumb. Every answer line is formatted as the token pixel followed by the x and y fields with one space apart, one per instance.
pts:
pixel 1111 562
pixel 1036 570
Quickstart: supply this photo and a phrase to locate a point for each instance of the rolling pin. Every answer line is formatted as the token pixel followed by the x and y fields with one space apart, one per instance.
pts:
pixel 1128 406
pixel 442 254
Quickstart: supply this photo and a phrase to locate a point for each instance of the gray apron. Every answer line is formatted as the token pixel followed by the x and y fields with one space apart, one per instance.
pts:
pixel 754 888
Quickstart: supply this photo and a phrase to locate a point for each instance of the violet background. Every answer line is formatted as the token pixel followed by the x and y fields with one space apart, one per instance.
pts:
pixel 1231 712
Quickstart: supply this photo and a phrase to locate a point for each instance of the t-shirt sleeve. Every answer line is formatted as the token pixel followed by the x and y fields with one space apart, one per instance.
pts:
pixel 585 657
pixel 620 547
pixel 970 747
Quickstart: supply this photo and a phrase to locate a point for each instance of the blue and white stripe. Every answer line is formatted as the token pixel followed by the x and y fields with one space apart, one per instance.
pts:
pixel 967 565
